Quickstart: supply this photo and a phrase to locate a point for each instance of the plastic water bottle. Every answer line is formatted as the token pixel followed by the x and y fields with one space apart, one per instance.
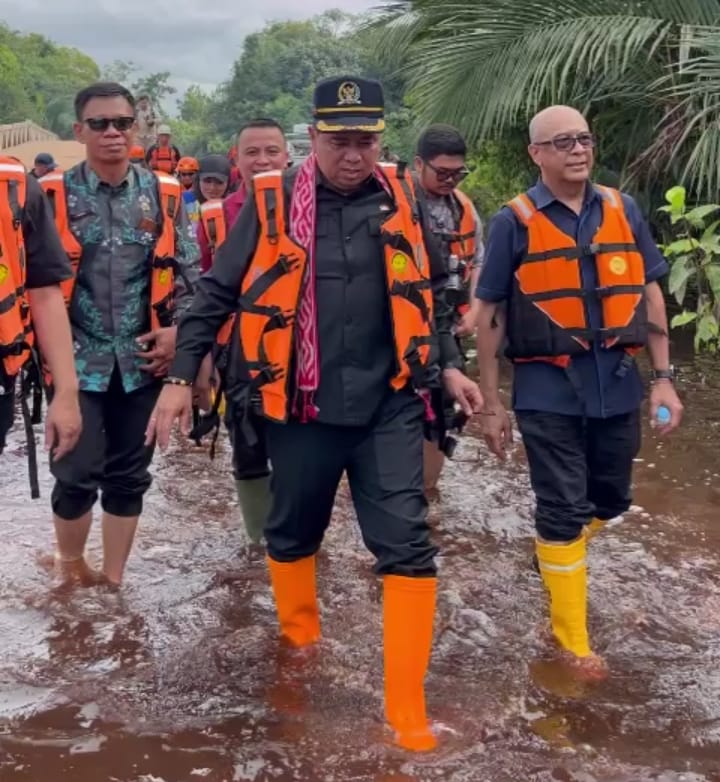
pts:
pixel 663 415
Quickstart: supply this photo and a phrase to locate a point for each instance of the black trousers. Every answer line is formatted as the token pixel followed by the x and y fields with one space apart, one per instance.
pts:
pixel 249 461
pixel 580 468
pixel 384 465
pixel 7 412
pixel 111 454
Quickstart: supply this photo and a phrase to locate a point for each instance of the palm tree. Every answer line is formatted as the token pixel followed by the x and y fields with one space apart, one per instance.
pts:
pixel 647 73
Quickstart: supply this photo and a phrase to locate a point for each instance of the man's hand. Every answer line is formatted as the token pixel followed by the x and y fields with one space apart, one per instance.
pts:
pixel 63 424
pixel 497 430
pixel 203 384
pixel 162 350
pixel 662 392
pixel 174 402
pixel 464 391
pixel 467 325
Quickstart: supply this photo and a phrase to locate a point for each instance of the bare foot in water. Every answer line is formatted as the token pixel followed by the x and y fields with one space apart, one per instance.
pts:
pixel 73 573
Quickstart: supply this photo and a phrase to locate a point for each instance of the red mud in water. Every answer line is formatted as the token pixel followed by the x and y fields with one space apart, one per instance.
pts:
pixel 180 677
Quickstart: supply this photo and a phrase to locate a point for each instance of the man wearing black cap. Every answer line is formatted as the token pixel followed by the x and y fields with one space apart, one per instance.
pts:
pixel 342 331
pixel 44 164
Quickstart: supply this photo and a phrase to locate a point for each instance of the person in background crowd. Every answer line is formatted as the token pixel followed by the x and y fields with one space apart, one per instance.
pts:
pixel 261 147
pixel 137 156
pixel 440 167
pixel 146 123
pixel 44 164
pixel 342 327
pixel 135 261
pixel 212 180
pixel 570 278
pixel 163 155
pixel 187 171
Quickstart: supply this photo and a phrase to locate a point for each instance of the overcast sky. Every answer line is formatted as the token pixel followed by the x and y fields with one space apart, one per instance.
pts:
pixel 197 40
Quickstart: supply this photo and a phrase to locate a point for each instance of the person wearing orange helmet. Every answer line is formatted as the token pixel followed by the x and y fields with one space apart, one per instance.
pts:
pixel 137 155
pixel 187 170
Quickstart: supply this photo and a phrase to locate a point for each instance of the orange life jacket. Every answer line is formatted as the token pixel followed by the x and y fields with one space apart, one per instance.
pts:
pixel 212 216
pixel 163 159
pixel 16 335
pixel 162 267
pixel 547 318
pixel 271 290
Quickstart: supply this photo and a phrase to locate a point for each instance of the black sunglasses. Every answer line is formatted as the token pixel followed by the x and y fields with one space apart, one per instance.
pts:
pixel 566 142
pixel 449 174
pixel 101 124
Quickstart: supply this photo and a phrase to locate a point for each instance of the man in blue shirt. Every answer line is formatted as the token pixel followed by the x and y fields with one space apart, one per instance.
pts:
pixel 570 278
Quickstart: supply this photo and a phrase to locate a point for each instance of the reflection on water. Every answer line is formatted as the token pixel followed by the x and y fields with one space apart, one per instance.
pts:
pixel 180 677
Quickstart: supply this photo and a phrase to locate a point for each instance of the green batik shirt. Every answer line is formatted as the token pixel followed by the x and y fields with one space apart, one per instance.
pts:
pixel 117 228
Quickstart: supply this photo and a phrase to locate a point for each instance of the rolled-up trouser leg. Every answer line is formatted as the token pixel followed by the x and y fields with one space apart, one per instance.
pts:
pixel 79 473
pixel 126 476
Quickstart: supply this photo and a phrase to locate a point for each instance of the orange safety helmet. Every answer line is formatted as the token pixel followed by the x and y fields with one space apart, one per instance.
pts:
pixel 137 152
pixel 188 165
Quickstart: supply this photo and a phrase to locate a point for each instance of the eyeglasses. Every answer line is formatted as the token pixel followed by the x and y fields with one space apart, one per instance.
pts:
pixel 101 124
pixel 566 142
pixel 449 174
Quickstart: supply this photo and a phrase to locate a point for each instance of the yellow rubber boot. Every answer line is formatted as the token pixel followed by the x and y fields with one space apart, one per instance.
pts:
pixel 594 527
pixel 409 611
pixel 564 573
pixel 295 593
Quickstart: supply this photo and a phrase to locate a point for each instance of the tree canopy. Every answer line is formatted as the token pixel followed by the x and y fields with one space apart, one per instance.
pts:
pixel 40 79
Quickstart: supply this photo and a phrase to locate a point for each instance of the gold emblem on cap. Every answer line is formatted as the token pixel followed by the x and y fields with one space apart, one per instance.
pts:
pixel 618 265
pixel 348 94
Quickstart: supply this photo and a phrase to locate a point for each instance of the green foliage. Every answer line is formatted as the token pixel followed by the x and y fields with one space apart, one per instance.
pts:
pixel 39 80
pixel 694 257
pixel 499 171
pixel 647 72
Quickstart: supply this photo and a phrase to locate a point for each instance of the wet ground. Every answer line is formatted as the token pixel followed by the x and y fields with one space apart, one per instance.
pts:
pixel 180 677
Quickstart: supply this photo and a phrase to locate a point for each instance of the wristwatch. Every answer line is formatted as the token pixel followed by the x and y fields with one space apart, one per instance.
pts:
pixel 663 374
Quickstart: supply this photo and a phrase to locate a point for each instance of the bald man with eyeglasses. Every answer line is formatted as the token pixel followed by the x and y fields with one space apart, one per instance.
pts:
pixel 570 286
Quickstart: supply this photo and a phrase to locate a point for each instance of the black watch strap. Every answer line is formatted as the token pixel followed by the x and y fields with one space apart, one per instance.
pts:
pixel 663 374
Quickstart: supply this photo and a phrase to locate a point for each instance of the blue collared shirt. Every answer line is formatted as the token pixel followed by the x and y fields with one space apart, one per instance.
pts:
pixel 542 386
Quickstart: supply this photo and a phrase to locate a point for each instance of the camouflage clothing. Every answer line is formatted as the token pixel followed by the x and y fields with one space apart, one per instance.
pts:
pixel 117 227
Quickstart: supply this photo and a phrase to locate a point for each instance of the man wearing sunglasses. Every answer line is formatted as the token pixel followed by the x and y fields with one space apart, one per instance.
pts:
pixel 134 257
pixel 440 168
pixel 571 275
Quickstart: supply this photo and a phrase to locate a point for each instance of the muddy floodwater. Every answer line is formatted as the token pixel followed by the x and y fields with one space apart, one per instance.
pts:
pixel 180 676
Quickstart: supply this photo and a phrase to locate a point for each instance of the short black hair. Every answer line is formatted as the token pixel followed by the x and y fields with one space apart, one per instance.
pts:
pixel 440 140
pixel 101 89
pixel 260 122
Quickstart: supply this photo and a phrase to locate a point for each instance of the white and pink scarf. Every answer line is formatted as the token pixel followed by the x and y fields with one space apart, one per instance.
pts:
pixel 303 211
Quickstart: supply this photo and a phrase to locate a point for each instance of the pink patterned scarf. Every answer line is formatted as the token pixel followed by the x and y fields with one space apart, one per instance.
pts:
pixel 303 209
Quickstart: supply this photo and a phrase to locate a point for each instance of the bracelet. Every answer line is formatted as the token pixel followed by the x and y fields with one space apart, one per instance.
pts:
pixel 176 381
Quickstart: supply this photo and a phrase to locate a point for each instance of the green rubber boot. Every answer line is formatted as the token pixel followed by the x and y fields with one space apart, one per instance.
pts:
pixel 255 499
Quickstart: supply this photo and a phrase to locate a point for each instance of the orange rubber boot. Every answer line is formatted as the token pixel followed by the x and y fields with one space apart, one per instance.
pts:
pixel 293 585
pixel 409 611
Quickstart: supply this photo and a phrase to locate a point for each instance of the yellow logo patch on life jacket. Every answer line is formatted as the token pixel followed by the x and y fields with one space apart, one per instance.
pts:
pixel 399 262
pixel 618 265
pixel 164 276
pixel 4 271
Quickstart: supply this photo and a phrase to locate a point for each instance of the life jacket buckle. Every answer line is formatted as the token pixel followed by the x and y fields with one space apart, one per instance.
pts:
pixel 288 263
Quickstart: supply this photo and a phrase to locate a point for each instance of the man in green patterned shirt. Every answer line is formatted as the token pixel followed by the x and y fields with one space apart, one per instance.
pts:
pixel 127 231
